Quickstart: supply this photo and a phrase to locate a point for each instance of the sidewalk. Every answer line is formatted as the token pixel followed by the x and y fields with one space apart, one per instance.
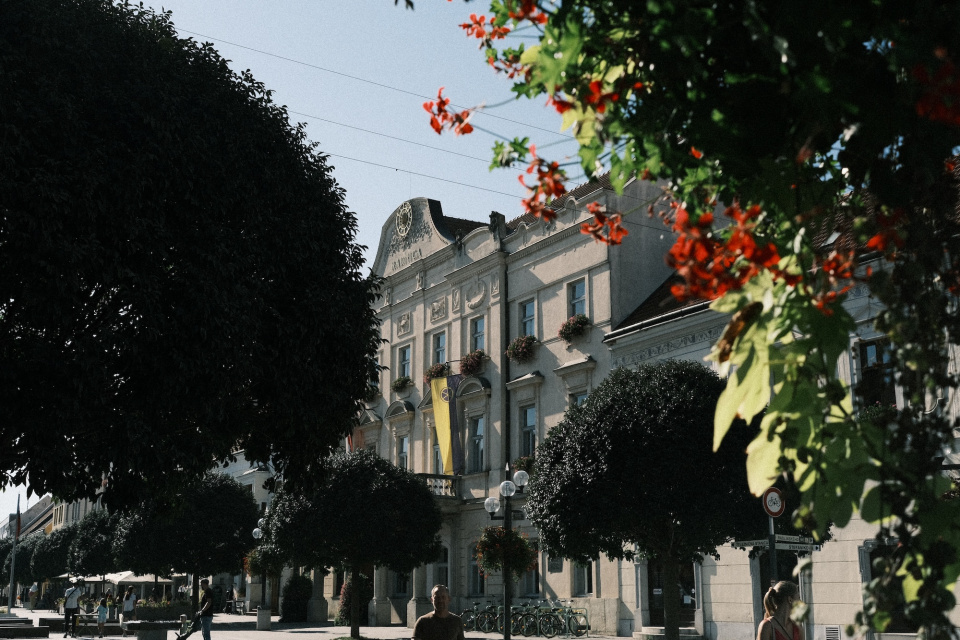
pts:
pixel 234 627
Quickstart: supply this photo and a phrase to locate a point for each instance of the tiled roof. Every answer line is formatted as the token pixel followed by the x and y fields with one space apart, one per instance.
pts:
pixel 659 302
pixel 461 227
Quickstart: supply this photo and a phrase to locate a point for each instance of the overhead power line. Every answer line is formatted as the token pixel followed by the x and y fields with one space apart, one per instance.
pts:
pixel 359 79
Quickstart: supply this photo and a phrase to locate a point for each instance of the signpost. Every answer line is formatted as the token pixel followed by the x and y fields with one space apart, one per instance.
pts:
pixel 774 505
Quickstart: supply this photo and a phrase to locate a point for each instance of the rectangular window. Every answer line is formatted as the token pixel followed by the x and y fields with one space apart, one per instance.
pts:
pixel 526 318
pixel 528 430
pixel 577 399
pixel 476 334
pixel 441 569
pixel 440 348
pixel 876 374
pixel 437 465
pixel 583 579
pixel 476 444
pixel 474 577
pixel 403 452
pixel 401 584
pixel 530 582
pixel 404 358
pixel 577 295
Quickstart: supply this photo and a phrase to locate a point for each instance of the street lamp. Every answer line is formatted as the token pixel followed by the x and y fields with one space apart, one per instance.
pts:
pixel 257 535
pixel 492 504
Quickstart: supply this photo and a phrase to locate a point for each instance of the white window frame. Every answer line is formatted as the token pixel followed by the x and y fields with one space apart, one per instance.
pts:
pixel 528 430
pixel 439 347
pixel 405 366
pixel 577 304
pixel 528 323
pixel 478 336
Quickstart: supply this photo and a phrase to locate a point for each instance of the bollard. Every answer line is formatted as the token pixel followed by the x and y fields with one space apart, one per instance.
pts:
pixel 263 619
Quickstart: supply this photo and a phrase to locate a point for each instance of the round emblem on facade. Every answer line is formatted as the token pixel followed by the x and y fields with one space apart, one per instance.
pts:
pixel 445 394
pixel 404 219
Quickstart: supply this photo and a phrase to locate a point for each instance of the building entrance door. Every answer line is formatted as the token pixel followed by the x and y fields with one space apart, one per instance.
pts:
pixel 685 591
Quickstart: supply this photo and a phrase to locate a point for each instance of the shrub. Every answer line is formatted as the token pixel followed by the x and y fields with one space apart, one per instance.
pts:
pixel 346 593
pixel 573 327
pixel 401 383
pixel 439 370
pixel 296 594
pixel 471 363
pixel 521 348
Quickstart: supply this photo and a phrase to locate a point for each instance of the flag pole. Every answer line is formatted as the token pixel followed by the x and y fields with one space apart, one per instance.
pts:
pixel 13 560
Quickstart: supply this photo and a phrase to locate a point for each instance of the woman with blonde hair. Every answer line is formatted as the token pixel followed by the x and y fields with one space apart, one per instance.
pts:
pixel 777 603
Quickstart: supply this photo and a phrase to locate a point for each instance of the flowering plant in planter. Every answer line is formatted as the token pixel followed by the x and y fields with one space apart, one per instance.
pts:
pixel 524 463
pixel 438 370
pixel 573 327
pixel 521 348
pixel 401 383
pixel 507 550
pixel 471 363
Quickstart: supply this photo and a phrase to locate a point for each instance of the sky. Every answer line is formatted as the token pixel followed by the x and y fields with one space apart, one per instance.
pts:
pixel 357 73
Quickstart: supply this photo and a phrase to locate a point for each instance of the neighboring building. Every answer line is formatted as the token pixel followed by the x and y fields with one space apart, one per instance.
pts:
pixel 454 285
pixel 67 513
pixel 35 518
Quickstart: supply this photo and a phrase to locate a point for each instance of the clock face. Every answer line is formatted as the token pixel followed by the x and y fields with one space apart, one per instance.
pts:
pixel 404 219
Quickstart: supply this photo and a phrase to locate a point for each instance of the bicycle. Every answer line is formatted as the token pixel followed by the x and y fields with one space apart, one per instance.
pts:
pixel 564 619
pixel 478 619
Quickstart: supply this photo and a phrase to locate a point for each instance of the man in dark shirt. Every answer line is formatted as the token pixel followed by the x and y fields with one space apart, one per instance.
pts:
pixel 439 624
pixel 206 609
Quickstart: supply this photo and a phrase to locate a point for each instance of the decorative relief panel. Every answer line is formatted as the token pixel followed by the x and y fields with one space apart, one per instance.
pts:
pixel 709 335
pixel 438 309
pixel 456 301
pixel 495 286
pixel 476 294
pixel 404 324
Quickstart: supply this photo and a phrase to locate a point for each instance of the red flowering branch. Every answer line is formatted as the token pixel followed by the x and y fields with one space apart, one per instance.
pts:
pixel 549 185
pixel 479 28
pixel 441 118
pixel 527 10
pixel 940 91
pixel 710 264
pixel 888 239
pixel 605 227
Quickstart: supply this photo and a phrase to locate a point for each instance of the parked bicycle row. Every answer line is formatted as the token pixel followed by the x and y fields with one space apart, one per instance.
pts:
pixel 544 619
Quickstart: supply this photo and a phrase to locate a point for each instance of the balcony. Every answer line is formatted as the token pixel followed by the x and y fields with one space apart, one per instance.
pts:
pixel 442 486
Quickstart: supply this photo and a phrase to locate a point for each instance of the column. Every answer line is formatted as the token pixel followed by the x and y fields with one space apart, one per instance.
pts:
pixel 641 615
pixel 317 605
pixel 420 603
pixel 380 607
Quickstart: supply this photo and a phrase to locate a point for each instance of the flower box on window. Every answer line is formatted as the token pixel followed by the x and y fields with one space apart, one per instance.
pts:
pixel 472 363
pixel 573 327
pixel 521 348
pixel 439 370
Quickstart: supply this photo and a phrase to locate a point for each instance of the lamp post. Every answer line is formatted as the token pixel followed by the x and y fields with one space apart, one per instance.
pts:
pixel 492 504
pixel 263 621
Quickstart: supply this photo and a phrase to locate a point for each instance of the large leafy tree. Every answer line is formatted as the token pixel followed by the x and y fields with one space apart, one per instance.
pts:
pixel 806 120
pixel 638 457
pixel 50 555
pixel 178 272
pixel 92 549
pixel 204 530
pixel 22 565
pixel 385 515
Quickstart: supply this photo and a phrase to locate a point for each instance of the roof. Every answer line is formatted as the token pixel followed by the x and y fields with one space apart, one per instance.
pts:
pixel 461 227
pixel 658 303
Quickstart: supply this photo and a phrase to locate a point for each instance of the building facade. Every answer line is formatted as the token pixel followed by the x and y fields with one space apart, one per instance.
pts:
pixel 453 286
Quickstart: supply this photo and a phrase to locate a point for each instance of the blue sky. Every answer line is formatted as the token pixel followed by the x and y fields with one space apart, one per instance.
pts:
pixel 344 67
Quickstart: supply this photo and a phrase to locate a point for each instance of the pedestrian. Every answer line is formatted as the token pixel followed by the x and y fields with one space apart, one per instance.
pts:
pixel 228 605
pixel 71 604
pixel 33 595
pixel 439 624
pixel 206 608
pixel 102 615
pixel 129 609
pixel 777 604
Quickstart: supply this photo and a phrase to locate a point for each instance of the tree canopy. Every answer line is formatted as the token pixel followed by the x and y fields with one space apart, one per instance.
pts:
pixel 638 457
pixel 385 515
pixel 178 271
pixel 92 550
pixel 830 133
pixel 50 555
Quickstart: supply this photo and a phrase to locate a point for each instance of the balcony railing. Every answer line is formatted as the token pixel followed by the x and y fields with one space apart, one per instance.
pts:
pixel 442 485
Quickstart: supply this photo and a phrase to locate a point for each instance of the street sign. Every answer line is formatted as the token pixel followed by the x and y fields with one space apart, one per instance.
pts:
pixel 750 543
pixel 791 546
pixel 773 502
pixel 801 539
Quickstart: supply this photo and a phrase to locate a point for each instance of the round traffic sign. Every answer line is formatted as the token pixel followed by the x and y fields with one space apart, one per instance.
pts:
pixel 773 502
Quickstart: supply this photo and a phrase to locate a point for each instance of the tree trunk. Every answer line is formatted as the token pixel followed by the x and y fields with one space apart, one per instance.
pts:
pixel 195 592
pixel 354 604
pixel 671 597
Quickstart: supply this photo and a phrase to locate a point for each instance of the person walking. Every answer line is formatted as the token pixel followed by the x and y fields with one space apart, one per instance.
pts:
pixel 32 595
pixel 129 608
pixel 777 604
pixel 71 604
pixel 102 615
pixel 439 624
pixel 206 608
